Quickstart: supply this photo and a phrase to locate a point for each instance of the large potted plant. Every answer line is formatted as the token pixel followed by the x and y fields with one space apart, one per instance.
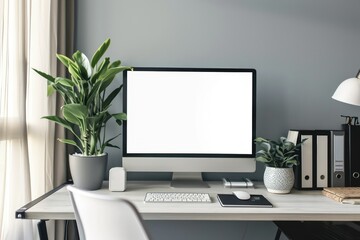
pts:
pixel 85 112
pixel 279 158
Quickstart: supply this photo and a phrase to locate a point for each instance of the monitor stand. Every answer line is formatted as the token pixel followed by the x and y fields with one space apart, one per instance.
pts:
pixel 188 180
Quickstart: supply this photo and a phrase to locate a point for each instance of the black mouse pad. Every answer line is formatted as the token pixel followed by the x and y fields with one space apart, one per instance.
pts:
pixel 230 200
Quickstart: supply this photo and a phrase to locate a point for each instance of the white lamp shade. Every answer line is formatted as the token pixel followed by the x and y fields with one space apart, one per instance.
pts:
pixel 348 92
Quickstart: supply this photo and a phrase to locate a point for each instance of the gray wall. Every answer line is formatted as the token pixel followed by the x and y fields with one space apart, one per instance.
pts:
pixel 302 50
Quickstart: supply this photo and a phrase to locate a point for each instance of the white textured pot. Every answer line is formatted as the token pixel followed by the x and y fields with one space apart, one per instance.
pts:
pixel 88 172
pixel 279 180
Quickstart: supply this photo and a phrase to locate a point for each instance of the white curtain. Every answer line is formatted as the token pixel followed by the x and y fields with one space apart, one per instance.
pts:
pixel 28 39
pixel 14 164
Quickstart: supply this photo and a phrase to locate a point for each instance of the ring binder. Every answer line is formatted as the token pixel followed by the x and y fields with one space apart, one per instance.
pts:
pixel 352 151
pixel 304 174
pixel 337 158
pixel 323 153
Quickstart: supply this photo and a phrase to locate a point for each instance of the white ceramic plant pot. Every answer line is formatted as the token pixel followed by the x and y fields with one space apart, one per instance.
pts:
pixel 88 172
pixel 279 180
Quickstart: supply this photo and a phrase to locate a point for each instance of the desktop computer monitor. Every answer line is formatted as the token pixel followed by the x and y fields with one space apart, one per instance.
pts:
pixel 189 120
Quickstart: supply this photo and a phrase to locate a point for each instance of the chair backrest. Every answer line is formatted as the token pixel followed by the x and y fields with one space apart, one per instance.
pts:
pixel 100 216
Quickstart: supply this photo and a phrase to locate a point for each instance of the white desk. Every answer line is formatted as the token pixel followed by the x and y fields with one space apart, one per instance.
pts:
pixel 297 206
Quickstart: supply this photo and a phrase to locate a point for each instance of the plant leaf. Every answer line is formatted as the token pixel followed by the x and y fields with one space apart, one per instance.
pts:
pixel 71 142
pixel 109 76
pixel 260 140
pixel 75 113
pixel 101 69
pixel 44 75
pixel 290 163
pixel 262 159
pixel 78 110
pixel 83 63
pixel 61 122
pixel 64 81
pixel 111 97
pixel 279 152
pixel 120 116
pixel 69 116
pixel 110 145
pixel 266 146
pixel 115 64
pixel 50 89
pixel 94 92
pixel 74 71
pixel 100 52
pixel 86 64
pixel 64 59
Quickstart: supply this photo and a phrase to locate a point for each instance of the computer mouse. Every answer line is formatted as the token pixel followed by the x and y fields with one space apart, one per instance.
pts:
pixel 242 195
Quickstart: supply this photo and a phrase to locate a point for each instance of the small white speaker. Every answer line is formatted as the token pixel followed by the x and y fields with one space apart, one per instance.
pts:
pixel 117 179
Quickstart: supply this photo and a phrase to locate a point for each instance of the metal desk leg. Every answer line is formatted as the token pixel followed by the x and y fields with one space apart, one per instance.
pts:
pixel 42 230
pixel 278 234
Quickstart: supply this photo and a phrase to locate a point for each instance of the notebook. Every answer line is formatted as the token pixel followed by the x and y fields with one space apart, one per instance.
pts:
pixel 347 195
pixel 230 200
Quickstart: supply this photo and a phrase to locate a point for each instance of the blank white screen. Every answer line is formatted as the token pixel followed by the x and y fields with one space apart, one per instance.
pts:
pixel 189 112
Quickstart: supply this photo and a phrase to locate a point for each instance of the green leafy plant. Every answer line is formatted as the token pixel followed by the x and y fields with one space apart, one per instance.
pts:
pixel 278 154
pixel 86 103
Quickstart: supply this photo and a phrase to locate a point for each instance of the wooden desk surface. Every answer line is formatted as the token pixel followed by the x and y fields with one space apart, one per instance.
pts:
pixel 296 206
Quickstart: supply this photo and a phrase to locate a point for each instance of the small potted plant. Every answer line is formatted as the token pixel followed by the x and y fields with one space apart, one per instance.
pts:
pixel 85 112
pixel 279 158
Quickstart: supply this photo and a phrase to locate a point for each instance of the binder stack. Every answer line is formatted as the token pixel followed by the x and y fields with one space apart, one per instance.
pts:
pixel 322 158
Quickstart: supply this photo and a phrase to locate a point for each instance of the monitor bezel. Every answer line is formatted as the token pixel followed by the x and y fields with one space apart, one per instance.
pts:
pixel 190 155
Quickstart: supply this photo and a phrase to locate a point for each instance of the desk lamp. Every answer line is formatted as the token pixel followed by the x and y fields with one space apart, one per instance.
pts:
pixel 349 91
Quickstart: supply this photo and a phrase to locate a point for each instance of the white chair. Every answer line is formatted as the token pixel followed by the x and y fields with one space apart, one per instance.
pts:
pixel 106 217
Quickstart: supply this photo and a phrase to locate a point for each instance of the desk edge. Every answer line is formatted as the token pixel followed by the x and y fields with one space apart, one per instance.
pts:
pixel 20 213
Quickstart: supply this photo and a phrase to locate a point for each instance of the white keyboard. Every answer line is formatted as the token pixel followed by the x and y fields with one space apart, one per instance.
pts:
pixel 177 197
